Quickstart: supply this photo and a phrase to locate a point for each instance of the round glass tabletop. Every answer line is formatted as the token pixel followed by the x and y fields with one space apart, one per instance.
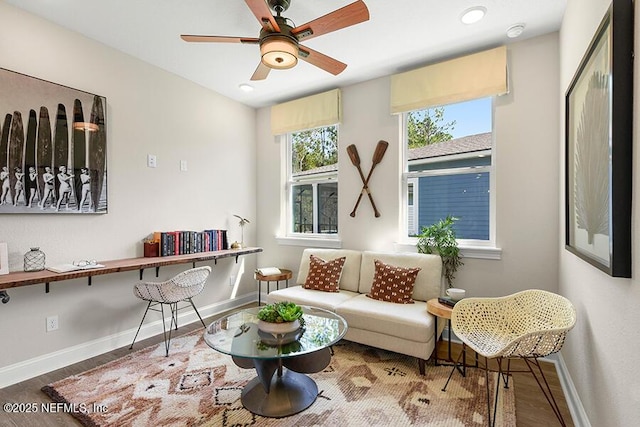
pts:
pixel 238 335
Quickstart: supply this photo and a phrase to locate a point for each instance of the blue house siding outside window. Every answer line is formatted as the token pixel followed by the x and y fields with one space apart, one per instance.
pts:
pixel 465 196
pixel 448 167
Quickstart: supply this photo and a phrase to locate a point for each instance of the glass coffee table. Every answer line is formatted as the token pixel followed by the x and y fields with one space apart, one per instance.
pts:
pixel 281 361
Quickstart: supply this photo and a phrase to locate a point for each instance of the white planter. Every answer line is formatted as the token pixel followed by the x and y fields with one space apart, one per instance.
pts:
pixel 278 328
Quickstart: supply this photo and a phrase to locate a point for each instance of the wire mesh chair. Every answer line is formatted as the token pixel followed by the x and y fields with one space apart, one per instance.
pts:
pixel 525 325
pixel 181 287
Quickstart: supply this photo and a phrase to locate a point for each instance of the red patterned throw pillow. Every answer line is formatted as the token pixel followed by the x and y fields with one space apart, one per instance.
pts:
pixel 324 275
pixel 393 284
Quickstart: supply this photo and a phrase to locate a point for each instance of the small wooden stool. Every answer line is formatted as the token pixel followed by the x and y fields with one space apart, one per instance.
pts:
pixel 284 275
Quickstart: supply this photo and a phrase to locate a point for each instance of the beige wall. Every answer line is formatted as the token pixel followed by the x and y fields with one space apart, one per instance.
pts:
pixel 148 111
pixel 526 124
pixel 602 351
pixel 229 173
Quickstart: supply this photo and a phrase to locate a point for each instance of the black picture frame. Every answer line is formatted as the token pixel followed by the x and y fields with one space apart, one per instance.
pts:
pixel 53 148
pixel 598 150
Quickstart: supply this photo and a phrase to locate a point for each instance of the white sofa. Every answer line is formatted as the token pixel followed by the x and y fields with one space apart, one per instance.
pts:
pixel 402 328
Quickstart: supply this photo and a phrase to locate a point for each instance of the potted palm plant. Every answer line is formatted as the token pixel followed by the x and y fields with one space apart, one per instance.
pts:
pixel 440 238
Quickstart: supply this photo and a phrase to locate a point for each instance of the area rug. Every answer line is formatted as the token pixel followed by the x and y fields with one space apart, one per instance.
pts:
pixel 198 386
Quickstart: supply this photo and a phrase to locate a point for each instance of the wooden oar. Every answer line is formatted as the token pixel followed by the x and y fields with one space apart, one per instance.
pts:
pixel 355 159
pixel 378 154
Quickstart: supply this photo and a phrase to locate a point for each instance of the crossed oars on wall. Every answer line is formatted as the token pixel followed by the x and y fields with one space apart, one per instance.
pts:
pixel 381 148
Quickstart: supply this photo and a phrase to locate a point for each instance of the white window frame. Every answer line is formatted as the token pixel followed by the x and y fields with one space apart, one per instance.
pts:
pixel 287 236
pixel 412 209
pixel 471 248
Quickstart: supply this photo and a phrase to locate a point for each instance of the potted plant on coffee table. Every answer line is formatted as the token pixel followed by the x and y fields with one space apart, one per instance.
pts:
pixel 440 238
pixel 280 317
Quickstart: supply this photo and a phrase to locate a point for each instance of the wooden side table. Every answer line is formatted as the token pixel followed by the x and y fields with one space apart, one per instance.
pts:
pixel 444 311
pixel 284 275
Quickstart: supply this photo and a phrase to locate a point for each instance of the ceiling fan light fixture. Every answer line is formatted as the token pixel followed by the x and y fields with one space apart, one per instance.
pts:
pixel 473 15
pixel 279 53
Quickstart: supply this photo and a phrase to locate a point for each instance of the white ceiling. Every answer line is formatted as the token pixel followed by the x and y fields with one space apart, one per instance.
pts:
pixel 400 35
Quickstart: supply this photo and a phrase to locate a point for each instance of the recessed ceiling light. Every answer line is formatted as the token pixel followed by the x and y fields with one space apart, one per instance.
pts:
pixel 515 30
pixel 473 15
pixel 245 87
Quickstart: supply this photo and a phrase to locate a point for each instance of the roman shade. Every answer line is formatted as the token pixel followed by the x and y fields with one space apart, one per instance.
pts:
pixel 468 77
pixel 313 111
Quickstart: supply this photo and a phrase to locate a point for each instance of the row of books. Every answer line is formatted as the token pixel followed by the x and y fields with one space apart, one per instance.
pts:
pixel 190 242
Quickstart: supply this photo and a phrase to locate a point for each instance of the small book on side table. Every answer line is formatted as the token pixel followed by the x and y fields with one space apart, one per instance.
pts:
pixel 446 301
pixel 268 271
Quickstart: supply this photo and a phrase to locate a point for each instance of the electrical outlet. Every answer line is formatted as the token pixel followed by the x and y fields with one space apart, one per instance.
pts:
pixel 52 323
pixel 232 280
pixel 152 161
pixel 183 165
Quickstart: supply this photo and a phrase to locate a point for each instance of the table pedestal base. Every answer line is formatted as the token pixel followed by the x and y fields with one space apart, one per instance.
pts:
pixel 288 394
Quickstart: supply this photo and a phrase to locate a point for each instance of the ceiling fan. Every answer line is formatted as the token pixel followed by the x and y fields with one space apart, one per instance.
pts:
pixel 279 41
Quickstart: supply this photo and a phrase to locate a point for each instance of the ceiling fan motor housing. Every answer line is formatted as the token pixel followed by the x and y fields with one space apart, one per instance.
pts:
pixel 279 50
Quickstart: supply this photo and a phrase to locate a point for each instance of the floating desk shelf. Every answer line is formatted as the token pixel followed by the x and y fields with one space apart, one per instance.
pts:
pixel 21 278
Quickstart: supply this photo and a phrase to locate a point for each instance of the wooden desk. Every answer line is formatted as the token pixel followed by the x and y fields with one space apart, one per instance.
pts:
pixel 21 278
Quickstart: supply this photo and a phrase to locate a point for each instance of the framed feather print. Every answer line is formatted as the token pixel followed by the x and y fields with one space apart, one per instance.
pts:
pixel 599 120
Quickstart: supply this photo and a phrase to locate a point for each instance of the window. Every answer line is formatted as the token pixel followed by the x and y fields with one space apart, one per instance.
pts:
pixel 448 168
pixel 313 181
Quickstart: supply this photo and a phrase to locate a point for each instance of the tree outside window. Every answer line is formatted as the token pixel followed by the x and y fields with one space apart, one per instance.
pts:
pixel 313 180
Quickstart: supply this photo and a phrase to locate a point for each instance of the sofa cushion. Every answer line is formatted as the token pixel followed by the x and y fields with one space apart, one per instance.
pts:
pixel 350 277
pixel 393 284
pixel 428 281
pixel 302 296
pixel 324 275
pixel 406 321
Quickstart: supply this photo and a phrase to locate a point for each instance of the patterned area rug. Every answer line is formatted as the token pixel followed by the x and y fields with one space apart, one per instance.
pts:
pixel 197 386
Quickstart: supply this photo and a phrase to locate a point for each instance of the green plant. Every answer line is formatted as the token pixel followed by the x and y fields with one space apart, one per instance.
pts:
pixel 440 238
pixel 279 312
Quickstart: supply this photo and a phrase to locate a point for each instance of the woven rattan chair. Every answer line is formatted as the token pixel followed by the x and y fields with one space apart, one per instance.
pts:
pixel 182 287
pixel 526 325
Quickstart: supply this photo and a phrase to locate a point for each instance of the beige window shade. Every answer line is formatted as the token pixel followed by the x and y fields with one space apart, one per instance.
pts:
pixel 468 77
pixel 310 112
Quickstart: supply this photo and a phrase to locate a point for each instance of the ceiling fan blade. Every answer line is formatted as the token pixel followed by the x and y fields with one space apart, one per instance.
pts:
pixel 320 60
pixel 218 39
pixel 263 13
pixel 351 14
pixel 261 72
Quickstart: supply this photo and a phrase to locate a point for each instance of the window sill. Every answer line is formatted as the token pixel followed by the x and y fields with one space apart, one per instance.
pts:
pixel 467 251
pixel 310 242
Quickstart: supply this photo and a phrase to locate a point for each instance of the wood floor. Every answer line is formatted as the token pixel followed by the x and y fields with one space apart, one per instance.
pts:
pixel 532 409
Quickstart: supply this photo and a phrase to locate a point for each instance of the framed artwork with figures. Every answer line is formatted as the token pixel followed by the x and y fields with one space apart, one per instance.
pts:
pixel 52 148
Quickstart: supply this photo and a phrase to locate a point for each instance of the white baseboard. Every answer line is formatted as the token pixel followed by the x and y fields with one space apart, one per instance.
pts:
pixel 578 413
pixel 36 366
